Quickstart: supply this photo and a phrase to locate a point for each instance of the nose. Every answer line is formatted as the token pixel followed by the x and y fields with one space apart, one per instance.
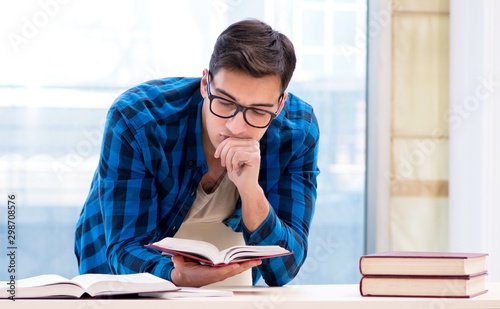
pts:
pixel 237 124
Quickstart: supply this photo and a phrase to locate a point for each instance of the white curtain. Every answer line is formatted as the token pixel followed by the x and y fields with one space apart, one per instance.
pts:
pixel 474 122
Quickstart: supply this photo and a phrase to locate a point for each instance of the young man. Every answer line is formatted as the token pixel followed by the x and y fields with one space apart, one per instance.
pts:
pixel 232 148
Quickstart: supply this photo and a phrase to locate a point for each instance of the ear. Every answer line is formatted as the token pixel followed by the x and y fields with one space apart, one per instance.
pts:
pixel 203 83
pixel 281 102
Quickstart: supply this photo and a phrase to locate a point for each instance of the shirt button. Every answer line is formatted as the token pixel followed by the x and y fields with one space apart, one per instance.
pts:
pixel 192 193
pixel 191 163
pixel 174 228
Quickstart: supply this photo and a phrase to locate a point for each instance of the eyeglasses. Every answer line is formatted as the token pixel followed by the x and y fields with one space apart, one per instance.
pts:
pixel 224 108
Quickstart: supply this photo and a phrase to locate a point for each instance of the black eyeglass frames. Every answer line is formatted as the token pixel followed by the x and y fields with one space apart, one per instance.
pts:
pixel 225 108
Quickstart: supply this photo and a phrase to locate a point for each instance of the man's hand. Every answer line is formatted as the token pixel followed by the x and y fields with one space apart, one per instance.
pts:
pixel 241 157
pixel 190 273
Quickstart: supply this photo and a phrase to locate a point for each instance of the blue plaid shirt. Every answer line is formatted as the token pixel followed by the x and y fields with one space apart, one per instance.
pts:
pixel 151 163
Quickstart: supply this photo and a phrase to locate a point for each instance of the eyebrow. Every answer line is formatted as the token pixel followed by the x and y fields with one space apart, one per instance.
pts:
pixel 234 99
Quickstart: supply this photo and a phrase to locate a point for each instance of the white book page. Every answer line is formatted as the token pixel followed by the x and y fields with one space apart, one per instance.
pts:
pixel 42 280
pixel 96 284
pixel 192 246
pixel 44 286
pixel 251 251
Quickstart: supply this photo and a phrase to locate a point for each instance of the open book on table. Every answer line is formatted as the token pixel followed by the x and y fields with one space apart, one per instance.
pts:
pixel 95 285
pixel 209 254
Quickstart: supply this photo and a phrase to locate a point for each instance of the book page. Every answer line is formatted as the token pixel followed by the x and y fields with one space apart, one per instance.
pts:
pixel 103 284
pixel 42 280
pixel 247 252
pixel 197 247
pixel 45 286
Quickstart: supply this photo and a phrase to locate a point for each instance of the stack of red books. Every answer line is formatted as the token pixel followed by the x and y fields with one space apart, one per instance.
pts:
pixel 423 274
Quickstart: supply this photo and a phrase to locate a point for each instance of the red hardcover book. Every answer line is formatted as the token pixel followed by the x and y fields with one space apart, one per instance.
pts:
pixel 423 286
pixel 423 263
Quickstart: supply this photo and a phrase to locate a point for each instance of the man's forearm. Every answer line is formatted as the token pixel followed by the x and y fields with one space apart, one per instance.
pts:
pixel 255 208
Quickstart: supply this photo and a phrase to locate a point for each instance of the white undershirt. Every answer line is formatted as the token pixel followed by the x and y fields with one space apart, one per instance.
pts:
pixel 204 222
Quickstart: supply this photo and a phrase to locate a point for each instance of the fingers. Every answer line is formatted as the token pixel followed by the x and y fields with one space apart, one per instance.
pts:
pixel 190 273
pixel 233 158
pixel 179 261
pixel 237 268
pixel 250 264
pixel 234 153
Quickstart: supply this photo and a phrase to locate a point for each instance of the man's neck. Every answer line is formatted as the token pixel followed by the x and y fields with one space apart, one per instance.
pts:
pixel 214 176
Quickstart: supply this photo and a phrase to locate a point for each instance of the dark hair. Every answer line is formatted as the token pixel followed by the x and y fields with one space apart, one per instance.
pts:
pixel 253 47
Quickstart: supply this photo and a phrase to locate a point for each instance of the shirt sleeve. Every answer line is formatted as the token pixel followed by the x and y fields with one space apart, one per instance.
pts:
pixel 129 200
pixel 292 202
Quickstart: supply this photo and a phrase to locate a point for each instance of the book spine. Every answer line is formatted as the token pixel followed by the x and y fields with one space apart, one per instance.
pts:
pixel 361 265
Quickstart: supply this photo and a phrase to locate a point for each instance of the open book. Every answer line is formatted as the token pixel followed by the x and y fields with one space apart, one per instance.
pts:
pixel 207 253
pixel 95 285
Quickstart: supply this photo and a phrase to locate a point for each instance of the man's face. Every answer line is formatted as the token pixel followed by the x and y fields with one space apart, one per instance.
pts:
pixel 263 93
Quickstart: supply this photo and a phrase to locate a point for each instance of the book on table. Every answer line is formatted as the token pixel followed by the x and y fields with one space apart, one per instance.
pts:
pixel 422 263
pixel 94 285
pixel 423 286
pixel 208 254
pixel 423 274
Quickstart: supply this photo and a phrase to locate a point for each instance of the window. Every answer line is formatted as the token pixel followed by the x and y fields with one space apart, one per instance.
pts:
pixel 65 62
